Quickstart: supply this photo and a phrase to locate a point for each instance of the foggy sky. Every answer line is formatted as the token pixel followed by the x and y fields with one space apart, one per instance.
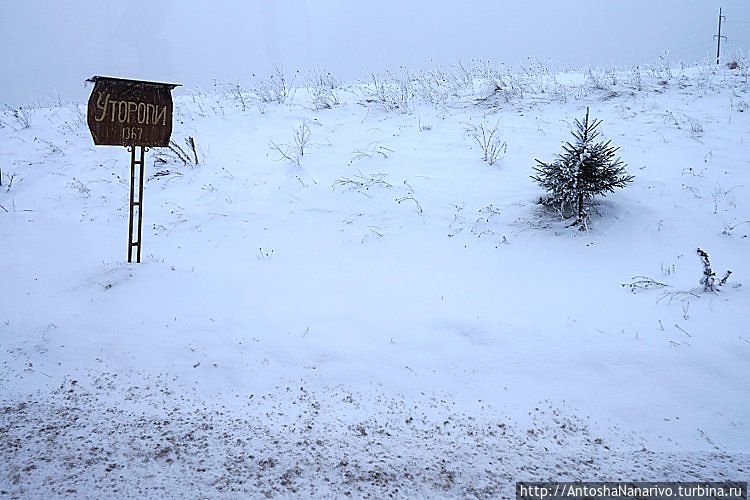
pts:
pixel 49 47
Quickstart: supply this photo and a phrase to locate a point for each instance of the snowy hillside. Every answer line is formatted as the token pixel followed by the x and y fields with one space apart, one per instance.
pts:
pixel 387 313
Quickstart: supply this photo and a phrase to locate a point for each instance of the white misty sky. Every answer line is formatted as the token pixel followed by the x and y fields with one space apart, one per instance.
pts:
pixel 50 47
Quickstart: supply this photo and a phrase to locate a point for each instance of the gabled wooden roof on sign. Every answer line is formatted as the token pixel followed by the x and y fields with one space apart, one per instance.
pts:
pixel 126 81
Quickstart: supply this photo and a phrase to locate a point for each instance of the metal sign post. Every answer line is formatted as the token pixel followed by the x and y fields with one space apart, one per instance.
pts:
pixel 136 203
pixel 137 115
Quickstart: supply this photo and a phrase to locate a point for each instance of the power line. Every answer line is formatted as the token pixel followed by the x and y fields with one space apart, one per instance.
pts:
pixel 661 37
pixel 699 44
pixel 701 30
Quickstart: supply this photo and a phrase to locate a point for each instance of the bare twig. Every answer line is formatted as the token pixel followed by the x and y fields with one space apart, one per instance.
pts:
pixel 80 187
pixel 284 152
pixel 181 154
pixel 361 181
pixel 643 283
pixel 294 152
pixel 488 141
pixel 22 115
pixel 682 330
pixel 321 87
pixel 373 149
pixel 728 229
pixel 10 181
pixel 726 276
pixel 191 144
pixel 276 88
pixel 676 295
pixel 417 205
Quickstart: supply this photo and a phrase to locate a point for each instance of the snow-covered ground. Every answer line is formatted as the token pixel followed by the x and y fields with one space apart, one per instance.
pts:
pixel 390 316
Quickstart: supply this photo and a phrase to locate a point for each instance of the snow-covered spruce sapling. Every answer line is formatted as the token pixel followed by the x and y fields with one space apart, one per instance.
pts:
pixel 586 168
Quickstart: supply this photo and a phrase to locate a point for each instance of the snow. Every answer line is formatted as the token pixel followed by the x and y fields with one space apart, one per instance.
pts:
pixel 431 331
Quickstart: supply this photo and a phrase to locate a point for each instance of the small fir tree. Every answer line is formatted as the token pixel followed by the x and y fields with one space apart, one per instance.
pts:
pixel 584 169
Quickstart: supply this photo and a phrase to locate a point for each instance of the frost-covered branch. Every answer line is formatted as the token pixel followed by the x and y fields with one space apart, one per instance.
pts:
pixel 708 281
pixel 643 283
pixel 361 181
pixel 276 88
pixel 300 141
pixel 488 140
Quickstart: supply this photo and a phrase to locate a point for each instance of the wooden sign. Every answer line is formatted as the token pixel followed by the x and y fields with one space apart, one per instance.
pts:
pixel 130 112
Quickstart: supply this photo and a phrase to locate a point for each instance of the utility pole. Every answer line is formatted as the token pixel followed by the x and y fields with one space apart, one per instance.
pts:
pixel 719 37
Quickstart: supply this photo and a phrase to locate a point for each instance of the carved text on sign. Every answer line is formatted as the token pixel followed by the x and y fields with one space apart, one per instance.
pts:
pixel 129 111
